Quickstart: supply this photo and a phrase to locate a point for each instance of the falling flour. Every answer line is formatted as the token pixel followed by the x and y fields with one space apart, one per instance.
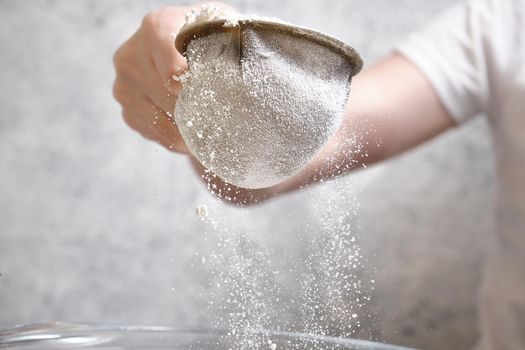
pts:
pixel 210 12
pixel 256 105
pixel 202 211
pixel 306 278
pixel 255 110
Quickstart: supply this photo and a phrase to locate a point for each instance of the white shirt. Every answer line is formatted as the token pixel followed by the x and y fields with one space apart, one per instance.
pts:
pixel 474 57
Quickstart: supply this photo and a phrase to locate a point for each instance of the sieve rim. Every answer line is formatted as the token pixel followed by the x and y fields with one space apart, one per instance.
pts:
pixel 202 29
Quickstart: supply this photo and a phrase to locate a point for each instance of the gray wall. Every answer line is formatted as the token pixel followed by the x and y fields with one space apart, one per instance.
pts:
pixel 99 225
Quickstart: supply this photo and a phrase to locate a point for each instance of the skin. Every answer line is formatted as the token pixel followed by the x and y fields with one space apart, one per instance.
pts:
pixel 392 108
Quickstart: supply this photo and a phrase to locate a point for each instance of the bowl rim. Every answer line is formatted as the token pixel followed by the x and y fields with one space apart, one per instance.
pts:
pixel 29 333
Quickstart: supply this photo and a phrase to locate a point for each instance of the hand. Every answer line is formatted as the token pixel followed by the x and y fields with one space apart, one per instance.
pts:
pixel 145 86
pixel 146 65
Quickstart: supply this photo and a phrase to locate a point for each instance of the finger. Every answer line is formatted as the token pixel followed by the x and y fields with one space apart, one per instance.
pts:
pixel 167 59
pixel 168 133
pixel 151 122
pixel 169 64
pixel 141 74
pixel 156 91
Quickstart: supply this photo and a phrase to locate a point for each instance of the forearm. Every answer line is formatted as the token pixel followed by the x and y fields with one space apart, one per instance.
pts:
pixel 392 108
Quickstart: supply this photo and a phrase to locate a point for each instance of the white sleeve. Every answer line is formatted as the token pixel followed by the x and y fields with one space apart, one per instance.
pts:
pixel 452 52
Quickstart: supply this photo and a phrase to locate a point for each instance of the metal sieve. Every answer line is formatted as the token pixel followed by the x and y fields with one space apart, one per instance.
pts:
pixel 261 97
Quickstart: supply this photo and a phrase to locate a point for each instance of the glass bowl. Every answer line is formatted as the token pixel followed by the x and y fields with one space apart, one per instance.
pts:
pixel 55 336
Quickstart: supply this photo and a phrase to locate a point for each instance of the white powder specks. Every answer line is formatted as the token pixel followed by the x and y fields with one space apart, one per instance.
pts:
pixel 262 108
pixel 310 282
pixel 209 12
pixel 231 22
pixel 183 77
pixel 254 111
pixel 202 211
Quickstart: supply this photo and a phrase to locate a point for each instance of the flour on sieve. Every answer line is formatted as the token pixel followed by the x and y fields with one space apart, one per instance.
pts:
pixel 255 113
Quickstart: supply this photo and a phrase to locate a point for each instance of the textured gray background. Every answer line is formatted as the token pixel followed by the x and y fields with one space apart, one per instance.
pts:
pixel 98 225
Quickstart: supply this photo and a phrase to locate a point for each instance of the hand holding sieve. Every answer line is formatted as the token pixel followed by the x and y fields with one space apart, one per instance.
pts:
pixel 261 97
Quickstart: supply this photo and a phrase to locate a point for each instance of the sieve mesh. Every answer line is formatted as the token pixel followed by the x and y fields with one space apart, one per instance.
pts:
pixel 258 103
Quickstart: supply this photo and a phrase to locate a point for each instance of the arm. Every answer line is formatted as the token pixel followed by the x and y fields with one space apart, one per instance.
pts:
pixel 393 104
pixel 392 108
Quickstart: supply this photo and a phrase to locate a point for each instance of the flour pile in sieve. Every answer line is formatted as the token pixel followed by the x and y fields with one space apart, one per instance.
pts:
pixel 256 104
